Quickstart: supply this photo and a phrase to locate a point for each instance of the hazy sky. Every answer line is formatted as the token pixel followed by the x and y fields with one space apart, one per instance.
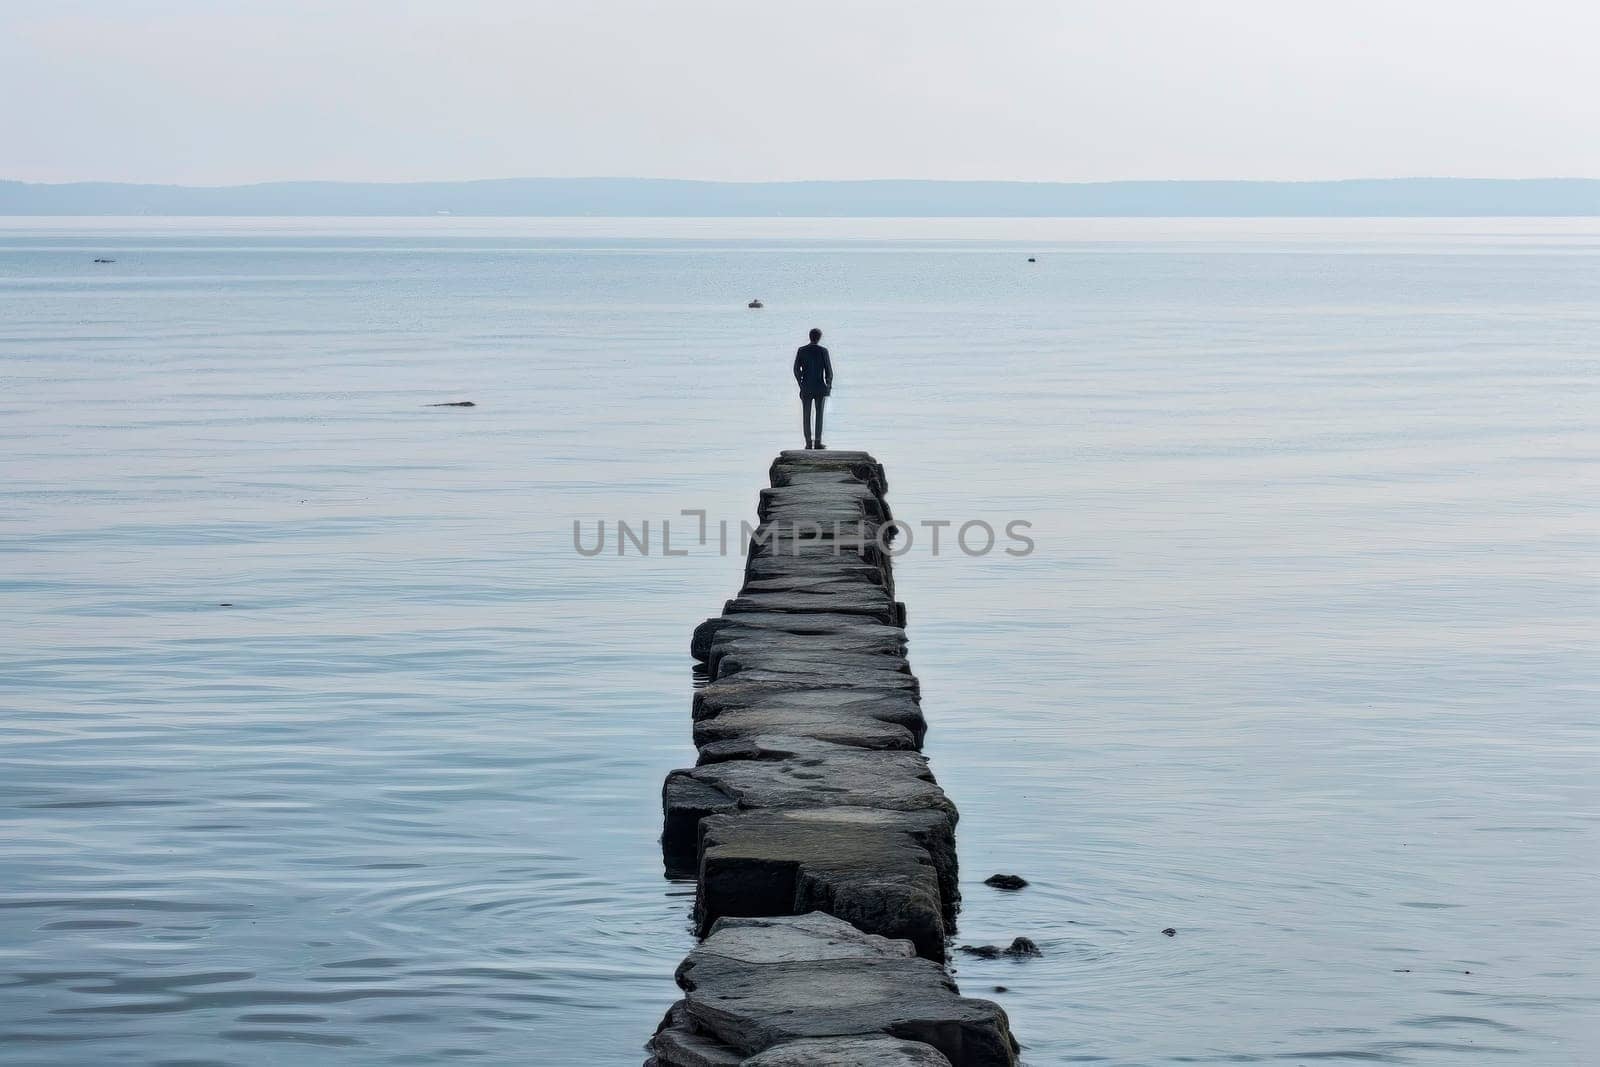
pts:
pixel 1070 90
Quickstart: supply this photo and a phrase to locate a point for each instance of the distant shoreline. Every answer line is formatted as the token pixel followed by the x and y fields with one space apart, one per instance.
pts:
pixel 890 198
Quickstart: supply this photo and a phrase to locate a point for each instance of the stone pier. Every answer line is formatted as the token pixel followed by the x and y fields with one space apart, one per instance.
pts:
pixel 822 848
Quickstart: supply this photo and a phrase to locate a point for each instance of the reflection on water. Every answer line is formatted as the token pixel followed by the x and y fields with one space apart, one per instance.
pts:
pixel 1303 666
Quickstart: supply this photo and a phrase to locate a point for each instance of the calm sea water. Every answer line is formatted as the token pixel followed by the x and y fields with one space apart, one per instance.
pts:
pixel 1304 665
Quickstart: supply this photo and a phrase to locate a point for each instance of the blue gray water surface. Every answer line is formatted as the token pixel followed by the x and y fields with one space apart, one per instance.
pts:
pixel 1303 666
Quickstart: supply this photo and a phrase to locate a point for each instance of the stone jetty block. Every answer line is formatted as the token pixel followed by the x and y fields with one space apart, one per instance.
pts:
pixel 815 990
pixel 775 773
pixel 886 871
pixel 822 848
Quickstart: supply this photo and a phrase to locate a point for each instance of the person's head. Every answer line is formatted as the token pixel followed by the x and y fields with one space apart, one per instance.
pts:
pixel 816 335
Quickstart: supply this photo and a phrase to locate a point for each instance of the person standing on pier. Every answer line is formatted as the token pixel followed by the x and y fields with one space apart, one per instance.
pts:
pixel 813 370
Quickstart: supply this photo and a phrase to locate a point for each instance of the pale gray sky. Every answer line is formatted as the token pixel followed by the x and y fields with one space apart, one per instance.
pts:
pixel 214 92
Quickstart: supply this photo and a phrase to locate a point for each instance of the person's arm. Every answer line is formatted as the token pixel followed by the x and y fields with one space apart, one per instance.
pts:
pixel 799 371
pixel 827 369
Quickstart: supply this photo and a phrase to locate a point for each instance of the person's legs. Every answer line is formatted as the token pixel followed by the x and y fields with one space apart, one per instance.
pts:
pixel 817 438
pixel 805 418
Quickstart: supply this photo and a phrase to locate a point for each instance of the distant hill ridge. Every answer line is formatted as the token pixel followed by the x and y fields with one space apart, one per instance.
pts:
pixel 880 198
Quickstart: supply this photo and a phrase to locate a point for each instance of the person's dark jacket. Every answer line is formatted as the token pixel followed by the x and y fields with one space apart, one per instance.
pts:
pixel 813 370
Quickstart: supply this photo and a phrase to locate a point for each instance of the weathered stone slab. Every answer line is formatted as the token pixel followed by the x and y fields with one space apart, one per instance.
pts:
pixel 859 466
pixel 823 456
pixel 798 679
pixel 818 523
pixel 752 648
pixel 841 628
pixel 787 539
pixel 717 701
pixel 850 1052
pixel 748 647
pixel 813 584
pixel 887 872
pixel 774 747
pixel 786 543
pixel 802 772
pixel 840 567
pixel 818 991
pixel 737 727
pixel 872 601
pixel 818 776
pixel 811 936
pixel 825 565
pixel 849 499
pixel 740 684
pixel 785 477
pixel 810 774
pixel 822 622
pixel 678 1042
pixel 754 683
pixel 753 1008
pixel 889 704
pixel 734 657
pixel 748 650
pixel 825 495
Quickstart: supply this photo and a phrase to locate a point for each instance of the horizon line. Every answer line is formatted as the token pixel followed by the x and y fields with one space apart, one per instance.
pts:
pixel 799 181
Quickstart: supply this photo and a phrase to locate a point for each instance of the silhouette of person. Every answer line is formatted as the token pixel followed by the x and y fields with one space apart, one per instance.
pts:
pixel 813 371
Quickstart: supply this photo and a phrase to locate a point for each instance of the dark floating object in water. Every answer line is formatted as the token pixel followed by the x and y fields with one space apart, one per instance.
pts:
pixel 105 261
pixel 225 604
pixel 455 404
pixel 1032 260
pixel 1001 989
pixel 1170 932
pixel 755 304
pixel 1006 881
pixel 1019 947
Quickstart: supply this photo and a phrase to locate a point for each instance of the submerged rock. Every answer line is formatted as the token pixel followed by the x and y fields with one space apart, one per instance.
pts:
pixel 1006 881
pixel 1019 947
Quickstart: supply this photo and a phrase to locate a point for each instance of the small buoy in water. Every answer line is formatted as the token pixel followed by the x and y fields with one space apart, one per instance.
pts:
pixel 755 304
